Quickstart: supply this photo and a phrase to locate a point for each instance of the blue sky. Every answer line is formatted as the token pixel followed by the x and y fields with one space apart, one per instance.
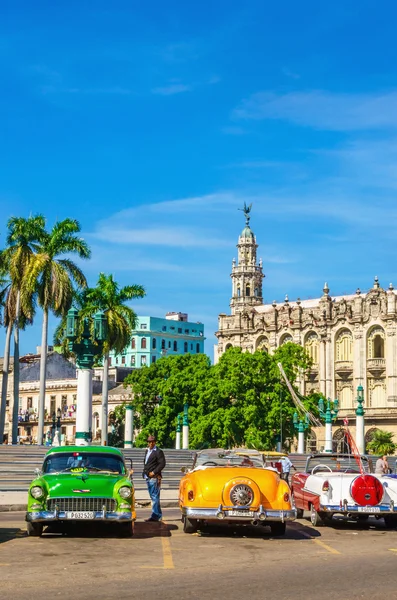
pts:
pixel 151 123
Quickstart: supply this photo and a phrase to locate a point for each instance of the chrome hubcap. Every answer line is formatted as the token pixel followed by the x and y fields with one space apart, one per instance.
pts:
pixel 241 495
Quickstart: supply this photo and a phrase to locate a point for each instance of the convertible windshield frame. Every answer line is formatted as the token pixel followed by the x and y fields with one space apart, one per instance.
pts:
pixel 229 459
pixel 338 463
pixel 94 462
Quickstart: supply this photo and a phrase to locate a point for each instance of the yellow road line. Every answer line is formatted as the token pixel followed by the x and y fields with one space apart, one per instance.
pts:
pixel 320 543
pixel 167 553
pixel 393 549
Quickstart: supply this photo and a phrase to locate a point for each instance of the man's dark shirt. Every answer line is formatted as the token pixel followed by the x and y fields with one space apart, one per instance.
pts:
pixel 155 463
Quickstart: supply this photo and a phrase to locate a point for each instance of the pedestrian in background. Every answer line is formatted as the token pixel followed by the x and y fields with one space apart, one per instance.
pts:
pixel 286 465
pixel 382 466
pixel 154 463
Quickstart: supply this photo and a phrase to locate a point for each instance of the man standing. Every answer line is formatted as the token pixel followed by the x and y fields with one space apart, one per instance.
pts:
pixel 154 463
pixel 286 467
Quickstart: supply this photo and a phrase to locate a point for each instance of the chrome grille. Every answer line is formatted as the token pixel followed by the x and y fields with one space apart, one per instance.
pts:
pixel 82 504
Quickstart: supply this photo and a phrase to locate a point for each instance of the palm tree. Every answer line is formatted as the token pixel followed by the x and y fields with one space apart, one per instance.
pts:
pixel 24 236
pixel 382 443
pixel 121 321
pixel 53 279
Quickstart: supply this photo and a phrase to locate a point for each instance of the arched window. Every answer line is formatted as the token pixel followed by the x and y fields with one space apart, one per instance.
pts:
pixel 228 346
pixel 312 347
pixel 377 393
pixel 344 346
pixel 133 343
pixel 262 344
pixel 154 343
pixel 185 347
pixel 175 346
pixel 248 290
pixel 346 397
pixel 376 343
pixel 238 291
pixel 340 443
pixel 311 442
pixel 163 344
pixel 143 343
pixel 286 338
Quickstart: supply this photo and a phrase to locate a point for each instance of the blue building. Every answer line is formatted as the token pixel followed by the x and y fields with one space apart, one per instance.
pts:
pixel 157 337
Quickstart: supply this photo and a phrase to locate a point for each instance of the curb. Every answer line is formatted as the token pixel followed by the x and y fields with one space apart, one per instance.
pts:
pixel 143 504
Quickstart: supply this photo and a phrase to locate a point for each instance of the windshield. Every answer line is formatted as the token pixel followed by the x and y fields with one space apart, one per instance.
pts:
pixel 228 459
pixel 83 461
pixel 337 464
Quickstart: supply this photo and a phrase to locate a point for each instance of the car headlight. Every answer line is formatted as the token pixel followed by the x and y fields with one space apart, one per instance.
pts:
pixel 125 492
pixel 37 491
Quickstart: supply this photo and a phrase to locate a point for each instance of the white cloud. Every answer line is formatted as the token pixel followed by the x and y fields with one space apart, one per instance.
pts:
pixel 172 89
pixel 323 110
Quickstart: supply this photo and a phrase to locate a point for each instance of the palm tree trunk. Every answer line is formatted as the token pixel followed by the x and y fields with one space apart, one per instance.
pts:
pixel 15 407
pixel 43 367
pixel 4 381
pixel 105 394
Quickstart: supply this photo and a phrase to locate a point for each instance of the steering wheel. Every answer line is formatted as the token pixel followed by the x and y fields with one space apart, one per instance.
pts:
pixel 322 466
pixel 210 462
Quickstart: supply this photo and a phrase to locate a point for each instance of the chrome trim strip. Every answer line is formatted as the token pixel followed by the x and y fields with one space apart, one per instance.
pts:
pixel 354 508
pixel 211 514
pixel 52 516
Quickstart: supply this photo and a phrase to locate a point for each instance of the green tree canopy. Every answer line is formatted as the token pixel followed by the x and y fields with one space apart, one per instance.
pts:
pixel 238 402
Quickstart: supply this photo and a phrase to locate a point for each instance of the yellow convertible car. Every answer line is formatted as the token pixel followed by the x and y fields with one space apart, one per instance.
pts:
pixel 235 487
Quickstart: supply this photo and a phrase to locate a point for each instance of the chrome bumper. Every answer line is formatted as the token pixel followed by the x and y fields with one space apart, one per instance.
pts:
pixel 48 516
pixel 353 508
pixel 223 514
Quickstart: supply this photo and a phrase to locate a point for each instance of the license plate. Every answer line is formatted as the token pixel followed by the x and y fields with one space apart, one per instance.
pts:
pixel 80 515
pixel 369 509
pixel 240 513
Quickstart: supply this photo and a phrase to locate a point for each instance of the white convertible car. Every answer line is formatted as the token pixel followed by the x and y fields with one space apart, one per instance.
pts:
pixel 344 484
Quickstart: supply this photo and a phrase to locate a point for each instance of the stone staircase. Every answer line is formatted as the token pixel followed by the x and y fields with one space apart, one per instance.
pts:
pixel 18 463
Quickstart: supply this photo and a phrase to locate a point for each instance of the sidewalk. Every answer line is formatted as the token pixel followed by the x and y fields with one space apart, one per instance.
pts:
pixel 18 500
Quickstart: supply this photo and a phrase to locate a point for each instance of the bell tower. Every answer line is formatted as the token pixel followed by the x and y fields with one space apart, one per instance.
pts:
pixel 246 275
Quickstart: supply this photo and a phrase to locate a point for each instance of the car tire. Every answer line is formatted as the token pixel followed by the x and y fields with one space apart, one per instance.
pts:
pixel 299 511
pixel 278 528
pixel 315 517
pixel 126 529
pixel 390 521
pixel 34 529
pixel 189 525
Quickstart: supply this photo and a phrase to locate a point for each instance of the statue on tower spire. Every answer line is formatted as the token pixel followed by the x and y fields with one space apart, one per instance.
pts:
pixel 246 210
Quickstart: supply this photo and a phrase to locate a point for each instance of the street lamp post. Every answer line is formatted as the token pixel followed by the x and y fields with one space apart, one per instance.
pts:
pixel 360 439
pixel 185 427
pixel 85 346
pixel 301 425
pixel 178 433
pixel 329 415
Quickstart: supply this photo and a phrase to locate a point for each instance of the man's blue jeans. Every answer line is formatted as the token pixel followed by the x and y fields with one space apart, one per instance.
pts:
pixel 154 493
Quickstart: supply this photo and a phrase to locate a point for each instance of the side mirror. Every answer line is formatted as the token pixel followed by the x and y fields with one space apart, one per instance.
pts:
pixel 130 472
pixel 38 472
pixel 184 470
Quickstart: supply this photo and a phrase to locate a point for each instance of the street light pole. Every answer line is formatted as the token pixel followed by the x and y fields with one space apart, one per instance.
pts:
pixel 329 414
pixel 178 433
pixel 360 426
pixel 129 426
pixel 185 427
pixel 85 346
pixel 301 425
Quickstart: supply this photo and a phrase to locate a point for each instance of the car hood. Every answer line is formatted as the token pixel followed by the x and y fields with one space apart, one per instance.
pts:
pixel 69 484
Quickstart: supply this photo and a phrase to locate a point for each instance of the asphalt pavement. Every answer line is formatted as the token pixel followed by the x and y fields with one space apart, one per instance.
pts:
pixel 345 561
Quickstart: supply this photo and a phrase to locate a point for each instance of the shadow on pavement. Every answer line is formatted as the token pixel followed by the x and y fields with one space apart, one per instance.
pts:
pixel 105 530
pixel 10 533
pixel 255 532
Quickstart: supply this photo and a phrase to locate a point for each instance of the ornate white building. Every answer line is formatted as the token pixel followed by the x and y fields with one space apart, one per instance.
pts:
pixel 351 339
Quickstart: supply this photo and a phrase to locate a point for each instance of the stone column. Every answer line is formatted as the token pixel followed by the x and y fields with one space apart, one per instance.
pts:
pixel 391 365
pixel 84 407
pixel 129 427
pixel 322 367
pixel 359 371
pixel 329 362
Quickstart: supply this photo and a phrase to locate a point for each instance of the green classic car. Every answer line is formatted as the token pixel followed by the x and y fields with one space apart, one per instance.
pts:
pixel 89 483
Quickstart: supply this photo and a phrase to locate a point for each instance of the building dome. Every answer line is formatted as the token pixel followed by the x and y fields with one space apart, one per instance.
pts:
pixel 247 233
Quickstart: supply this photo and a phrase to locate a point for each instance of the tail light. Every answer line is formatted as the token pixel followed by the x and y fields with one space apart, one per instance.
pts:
pixel 286 497
pixel 326 486
pixel 190 495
